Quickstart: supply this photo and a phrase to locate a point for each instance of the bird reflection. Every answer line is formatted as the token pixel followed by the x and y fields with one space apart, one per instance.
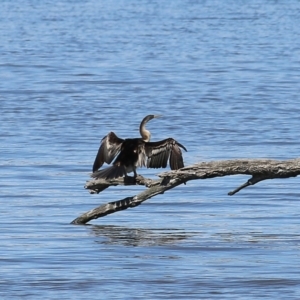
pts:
pixel 125 236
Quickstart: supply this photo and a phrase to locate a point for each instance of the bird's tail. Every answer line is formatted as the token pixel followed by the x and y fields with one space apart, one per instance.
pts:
pixel 110 172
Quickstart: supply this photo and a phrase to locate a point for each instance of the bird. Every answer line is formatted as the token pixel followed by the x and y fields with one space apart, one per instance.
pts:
pixel 128 154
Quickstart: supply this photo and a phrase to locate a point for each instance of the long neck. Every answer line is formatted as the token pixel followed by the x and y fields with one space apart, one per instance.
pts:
pixel 144 132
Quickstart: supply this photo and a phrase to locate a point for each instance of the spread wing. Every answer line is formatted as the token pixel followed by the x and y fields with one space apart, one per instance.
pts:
pixel 160 152
pixel 109 148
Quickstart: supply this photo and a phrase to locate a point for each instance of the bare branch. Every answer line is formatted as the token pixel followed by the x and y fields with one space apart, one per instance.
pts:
pixel 253 180
pixel 159 187
pixel 259 169
pixel 99 184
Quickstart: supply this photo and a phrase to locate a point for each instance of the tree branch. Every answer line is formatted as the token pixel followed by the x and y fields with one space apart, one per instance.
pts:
pixel 260 169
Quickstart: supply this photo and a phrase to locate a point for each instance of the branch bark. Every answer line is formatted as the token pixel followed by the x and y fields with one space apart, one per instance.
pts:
pixel 259 169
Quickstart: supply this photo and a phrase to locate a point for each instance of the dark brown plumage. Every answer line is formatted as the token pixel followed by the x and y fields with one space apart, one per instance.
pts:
pixel 137 152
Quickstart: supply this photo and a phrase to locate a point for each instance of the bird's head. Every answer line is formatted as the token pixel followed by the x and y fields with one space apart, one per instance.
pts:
pixel 150 117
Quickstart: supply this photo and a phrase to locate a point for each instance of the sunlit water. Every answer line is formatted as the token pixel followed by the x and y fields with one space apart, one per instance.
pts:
pixel 224 75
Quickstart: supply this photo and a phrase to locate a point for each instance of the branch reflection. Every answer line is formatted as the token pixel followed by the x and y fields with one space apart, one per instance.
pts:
pixel 109 234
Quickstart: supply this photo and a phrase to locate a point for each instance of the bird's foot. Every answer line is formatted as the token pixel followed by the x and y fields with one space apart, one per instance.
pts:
pixel 129 179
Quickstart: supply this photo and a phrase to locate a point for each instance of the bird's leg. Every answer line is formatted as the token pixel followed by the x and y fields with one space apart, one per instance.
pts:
pixel 126 175
pixel 135 174
pixel 130 179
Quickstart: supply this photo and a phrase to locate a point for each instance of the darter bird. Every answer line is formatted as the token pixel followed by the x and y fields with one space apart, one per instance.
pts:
pixel 128 154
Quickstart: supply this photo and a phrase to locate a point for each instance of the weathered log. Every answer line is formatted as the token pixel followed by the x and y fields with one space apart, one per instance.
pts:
pixel 259 169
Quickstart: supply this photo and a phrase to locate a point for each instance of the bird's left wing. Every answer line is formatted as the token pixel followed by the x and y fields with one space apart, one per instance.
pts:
pixel 109 148
pixel 160 152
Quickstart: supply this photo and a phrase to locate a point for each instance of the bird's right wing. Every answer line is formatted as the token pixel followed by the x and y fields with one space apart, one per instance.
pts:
pixel 109 148
pixel 160 152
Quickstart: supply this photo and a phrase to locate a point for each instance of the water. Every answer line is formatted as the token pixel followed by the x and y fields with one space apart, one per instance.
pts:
pixel 225 76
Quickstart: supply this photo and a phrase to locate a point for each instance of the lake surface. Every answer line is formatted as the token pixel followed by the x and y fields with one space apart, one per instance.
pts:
pixel 224 75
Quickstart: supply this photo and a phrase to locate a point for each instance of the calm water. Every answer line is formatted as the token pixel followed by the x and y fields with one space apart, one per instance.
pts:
pixel 225 76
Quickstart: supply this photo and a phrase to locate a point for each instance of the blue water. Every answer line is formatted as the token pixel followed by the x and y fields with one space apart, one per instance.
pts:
pixel 224 75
